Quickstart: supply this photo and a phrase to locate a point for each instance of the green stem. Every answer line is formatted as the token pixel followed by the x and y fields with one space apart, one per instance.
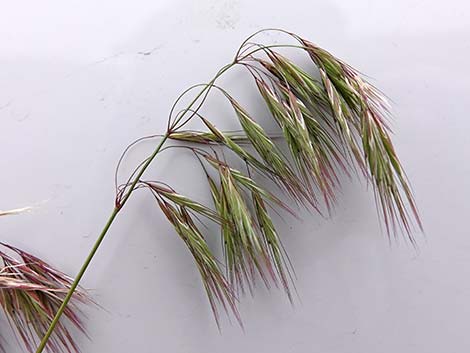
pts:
pixel 95 248
pixel 76 281
pixel 114 213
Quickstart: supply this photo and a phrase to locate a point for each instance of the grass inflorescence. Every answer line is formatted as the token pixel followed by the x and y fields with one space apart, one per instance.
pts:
pixel 332 121
pixel 329 119
pixel 31 291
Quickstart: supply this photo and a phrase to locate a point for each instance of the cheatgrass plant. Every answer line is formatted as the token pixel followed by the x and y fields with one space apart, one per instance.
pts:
pixel 330 121
pixel 31 292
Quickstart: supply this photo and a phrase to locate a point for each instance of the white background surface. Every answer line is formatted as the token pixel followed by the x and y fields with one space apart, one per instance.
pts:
pixel 74 90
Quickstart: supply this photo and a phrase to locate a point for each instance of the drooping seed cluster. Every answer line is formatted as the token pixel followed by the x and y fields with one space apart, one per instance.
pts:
pixel 330 124
pixel 31 291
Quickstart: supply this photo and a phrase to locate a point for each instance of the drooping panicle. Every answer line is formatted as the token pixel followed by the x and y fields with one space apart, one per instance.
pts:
pixel 31 291
pixel 330 120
